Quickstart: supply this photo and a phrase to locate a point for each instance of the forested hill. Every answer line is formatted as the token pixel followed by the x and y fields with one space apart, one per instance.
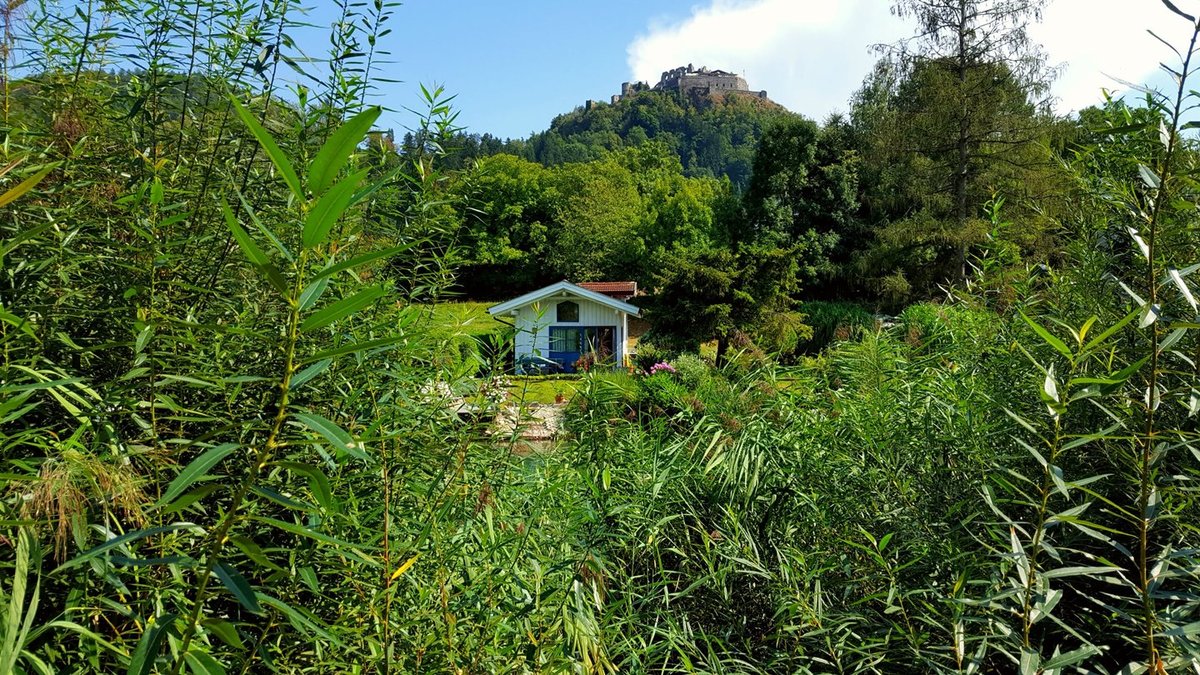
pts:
pixel 714 136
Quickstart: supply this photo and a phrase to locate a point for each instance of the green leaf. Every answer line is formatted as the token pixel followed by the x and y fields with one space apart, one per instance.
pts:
pixel 253 253
pixel 337 150
pixel 1049 387
pixel 237 585
pixel 17 322
pixel 354 347
pixel 1070 658
pixel 312 293
pixel 1101 338
pixel 1173 337
pixel 263 229
pixel 254 553
pixel 191 498
pixel 298 619
pixel 1183 287
pixel 1150 314
pixel 1029 661
pixel 1141 243
pixel 361 260
pixel 277 157
pixel 26 185
pixel 310 372
pixel 1048 337
pixel 123 539
pixel 318 483
pixel 1078 571
pixel 333 433
pixel 142 661
pixel 286 502
pixel 343 546
pixel 328 208
pixel 196 469
pixel 342 308
pixel 1124 129
pixel 203 663
pixel 226 631
pixel 309 575
pixel 1184 630
pixel 14 630
pixel 1150 178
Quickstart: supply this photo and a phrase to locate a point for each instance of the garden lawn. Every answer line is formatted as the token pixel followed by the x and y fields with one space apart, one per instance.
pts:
pixel 470 318
pixel 542 389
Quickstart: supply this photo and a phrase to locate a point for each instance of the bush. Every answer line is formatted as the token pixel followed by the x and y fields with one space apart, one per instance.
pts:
pixel 647 355
pixel 931 326
pixel 782 333
pixel 693 371
pixel 833 321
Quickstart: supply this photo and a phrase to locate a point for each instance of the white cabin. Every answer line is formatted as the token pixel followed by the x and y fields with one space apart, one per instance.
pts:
pixel 565 323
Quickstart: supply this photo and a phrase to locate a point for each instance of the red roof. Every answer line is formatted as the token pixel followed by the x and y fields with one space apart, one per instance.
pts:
pixel 606 287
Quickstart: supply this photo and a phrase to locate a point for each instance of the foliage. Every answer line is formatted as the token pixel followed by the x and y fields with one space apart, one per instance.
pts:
pixel 713 137
pixel 955 114
pixel 240 432
pixel 527 225
pixel 713 294
pixel 804 190
pixel 833 321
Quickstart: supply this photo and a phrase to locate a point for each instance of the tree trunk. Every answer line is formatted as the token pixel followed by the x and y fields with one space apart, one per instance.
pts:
pixel 962 143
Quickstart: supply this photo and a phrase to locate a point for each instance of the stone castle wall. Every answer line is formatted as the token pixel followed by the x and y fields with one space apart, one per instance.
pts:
pixel 688 80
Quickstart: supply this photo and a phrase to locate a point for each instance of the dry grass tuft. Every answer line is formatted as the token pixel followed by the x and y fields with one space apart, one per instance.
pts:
pixel 74 484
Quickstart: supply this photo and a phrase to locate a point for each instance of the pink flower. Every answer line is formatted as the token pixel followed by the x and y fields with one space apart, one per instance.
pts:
pixel 661 367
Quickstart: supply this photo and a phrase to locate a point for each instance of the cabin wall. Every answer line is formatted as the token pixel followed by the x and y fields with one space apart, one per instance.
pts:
pixel 533 323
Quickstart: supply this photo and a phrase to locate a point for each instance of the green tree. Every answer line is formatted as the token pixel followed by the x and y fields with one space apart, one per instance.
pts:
pixel 596 212
pixel 968 98
pixel 678 212
pixel 507 223
pixel 713 294
pixel 804 191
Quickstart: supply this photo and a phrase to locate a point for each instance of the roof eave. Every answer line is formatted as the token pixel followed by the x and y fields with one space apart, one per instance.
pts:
pixel 542 293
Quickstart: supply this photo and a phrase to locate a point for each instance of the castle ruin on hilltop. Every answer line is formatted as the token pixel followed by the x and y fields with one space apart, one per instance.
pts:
pixel 689 80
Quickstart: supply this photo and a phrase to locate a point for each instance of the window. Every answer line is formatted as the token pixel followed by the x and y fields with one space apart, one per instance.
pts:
pixel 568 312
pixel 564 339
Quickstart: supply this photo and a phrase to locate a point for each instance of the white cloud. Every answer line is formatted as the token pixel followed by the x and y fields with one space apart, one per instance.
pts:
pixel 811 55
pixel 1099 42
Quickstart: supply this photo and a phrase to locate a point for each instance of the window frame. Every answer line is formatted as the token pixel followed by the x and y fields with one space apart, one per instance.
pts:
pixel 558 311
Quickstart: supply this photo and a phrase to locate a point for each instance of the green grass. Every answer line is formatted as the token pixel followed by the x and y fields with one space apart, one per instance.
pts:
pixel 470 318
pixel 542 389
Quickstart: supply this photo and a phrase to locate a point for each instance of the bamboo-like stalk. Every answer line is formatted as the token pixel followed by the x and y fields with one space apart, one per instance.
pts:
pixel 262 455
pixel 1146 471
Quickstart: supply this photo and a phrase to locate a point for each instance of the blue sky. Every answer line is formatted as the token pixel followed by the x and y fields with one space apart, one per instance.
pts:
pixel 515 64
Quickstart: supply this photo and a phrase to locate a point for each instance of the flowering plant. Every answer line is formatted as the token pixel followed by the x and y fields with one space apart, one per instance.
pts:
pixel 661 367
pixel 495 390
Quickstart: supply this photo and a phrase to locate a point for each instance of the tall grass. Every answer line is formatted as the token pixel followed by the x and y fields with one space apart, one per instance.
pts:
pixel 232 441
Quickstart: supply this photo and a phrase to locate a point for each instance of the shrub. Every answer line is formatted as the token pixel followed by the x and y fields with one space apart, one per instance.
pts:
pixel 647 355
pixel 934 326
pixel 833 321
pixel 781 333
pixel 693 371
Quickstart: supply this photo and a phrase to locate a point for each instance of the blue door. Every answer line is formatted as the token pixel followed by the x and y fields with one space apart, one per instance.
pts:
pixel 568 343
pixel 564 346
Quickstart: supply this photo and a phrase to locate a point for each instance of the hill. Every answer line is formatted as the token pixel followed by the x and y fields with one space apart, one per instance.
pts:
pixel 714 132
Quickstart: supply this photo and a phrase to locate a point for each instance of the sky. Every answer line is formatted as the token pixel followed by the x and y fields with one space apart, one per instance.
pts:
pixel 514 65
